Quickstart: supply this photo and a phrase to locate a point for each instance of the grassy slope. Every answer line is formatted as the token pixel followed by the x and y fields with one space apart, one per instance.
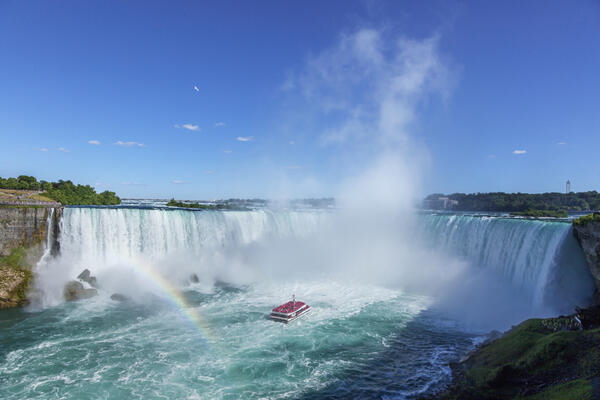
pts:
pixel 532 361
pixel 11 195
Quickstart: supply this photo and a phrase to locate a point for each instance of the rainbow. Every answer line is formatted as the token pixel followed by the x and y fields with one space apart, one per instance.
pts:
pixel 176 297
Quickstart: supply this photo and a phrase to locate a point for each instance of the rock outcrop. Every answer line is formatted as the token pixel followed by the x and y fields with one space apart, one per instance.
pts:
pixel 118 297
pixel 23 235
pixel 587 232
pixel 25 227
pixel 74 290
pixel 86 276
pixel 13 285
pixel 553 358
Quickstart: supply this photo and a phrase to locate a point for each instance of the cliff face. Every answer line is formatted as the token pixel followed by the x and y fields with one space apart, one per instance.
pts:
pixel 587 234
pixel 23 233
pixel 24 226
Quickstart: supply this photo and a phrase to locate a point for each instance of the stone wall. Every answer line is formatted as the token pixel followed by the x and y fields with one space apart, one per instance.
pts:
pixel 24 226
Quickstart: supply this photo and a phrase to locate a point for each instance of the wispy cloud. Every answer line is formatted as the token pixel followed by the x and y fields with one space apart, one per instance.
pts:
pixel 208 172
pixel 519 152
pixel 491 156
pixel 292 142
pixel 43 149
pixel 178 182
pixel 245 138
pixel 129 144
pixel 227 151
pixel 561 143
pixel 96 142
pixel 63 150
pixel 220 124
pixel 189 127
pixel 401 73
pixel 196 88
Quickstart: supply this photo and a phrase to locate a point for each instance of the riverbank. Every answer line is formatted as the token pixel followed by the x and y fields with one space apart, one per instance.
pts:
pixel 552 358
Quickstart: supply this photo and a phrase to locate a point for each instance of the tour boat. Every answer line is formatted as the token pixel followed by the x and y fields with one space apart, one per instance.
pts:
pixel 289 311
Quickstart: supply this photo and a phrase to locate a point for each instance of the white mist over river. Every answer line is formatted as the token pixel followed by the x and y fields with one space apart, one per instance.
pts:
pixel 389 313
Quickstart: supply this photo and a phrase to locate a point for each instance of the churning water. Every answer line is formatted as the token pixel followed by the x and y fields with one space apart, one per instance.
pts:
pixel 178 337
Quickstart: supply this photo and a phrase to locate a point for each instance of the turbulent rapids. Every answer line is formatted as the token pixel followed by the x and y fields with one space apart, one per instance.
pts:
pixel 373 331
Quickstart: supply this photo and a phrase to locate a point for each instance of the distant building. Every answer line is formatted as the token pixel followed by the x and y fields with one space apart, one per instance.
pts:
pixel 440 203
pixel 568 189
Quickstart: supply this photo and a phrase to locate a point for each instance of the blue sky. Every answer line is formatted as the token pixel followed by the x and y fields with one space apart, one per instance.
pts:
pixel 276 98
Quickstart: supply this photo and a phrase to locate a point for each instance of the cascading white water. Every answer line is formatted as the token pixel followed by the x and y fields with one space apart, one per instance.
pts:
pixel 538 257
pixel 98 237
pixel 528 254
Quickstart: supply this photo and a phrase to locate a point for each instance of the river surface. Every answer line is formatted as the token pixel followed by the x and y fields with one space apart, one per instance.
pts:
pixel 366 337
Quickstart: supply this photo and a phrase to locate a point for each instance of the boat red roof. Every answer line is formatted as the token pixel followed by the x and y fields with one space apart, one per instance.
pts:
pixel 289 307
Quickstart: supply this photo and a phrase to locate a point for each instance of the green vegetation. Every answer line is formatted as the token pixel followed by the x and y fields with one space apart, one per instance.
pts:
pixel 541 213
pixel 521 202
pixel 16 258
pixel 15 278
pixel 583 221
pixel 538 359
pixel 218 206
pixel 65 192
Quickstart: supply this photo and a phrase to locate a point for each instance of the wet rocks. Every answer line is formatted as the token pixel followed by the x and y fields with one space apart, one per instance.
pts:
pixel 74 290
pixel 118 297
pixel 86 276
pixel 13 285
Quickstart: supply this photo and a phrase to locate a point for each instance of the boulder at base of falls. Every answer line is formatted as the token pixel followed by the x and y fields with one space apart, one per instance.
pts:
pixel 86 276
pixel 194 278
pixel 74 290
pixel 118 297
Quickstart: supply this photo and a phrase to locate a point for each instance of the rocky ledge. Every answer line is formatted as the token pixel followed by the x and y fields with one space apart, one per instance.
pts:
pixel 587 232
pixel 553 358
pixel 13 285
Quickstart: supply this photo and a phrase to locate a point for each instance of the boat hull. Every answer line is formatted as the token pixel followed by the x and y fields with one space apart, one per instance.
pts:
pixel 286 319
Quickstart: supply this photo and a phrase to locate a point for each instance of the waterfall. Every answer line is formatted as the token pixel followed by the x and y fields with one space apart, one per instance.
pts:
pixel 540 257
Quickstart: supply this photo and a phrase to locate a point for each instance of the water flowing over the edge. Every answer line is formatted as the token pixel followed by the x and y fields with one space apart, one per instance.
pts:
pixel 539 258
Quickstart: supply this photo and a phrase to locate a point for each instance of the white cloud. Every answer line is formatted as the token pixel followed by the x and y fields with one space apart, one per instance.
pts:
pixel 219 124
pixel 292 142
pixel 177 182
pixel 208 172
pixel 129 144
pixel 520 152
pixel 96 142
pixel 245 138
pixel 196 88
pixel 227 151
pixel 190 127
pixel 43 149
pixel 561 143
pixel 63 150
pixel 373 84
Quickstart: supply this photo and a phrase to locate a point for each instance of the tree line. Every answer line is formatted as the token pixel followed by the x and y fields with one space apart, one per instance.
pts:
pixel 522 202
pixel 65 192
